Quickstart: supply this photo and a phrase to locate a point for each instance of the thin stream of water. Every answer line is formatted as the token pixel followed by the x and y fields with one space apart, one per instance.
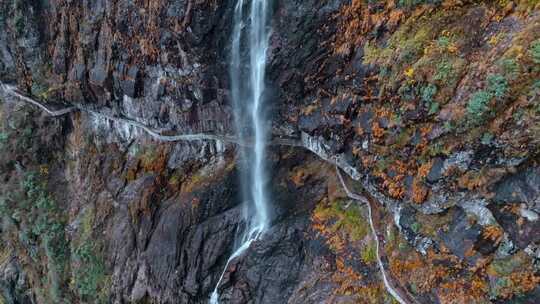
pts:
pixel 247 89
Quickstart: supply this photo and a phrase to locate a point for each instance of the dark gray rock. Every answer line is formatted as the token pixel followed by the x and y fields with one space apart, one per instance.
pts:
pixel 435 173
pixel 461 235
pixel 270 269
pixel 521 234
pixel 13 283
pixel 522 187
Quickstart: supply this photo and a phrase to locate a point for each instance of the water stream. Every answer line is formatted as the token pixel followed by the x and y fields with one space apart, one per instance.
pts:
pixel 247 72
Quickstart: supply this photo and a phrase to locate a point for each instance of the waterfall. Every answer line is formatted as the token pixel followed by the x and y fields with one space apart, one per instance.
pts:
pixel 247 91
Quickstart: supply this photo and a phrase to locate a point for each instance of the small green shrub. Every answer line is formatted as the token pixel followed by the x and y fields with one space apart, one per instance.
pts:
pixel 349 219
pixel 497 85
pixel 487 138
pixel 518 114
pixel 369 253
pixel 43 226
pixel 449 126
pixel 536 85
pixel 479 105
pixel 18 5
pixel 433 108
pixel 413 3
pixel 407 91
pixel 443 42
pixel 428 93
pixel 444 71
pixel 412 47
pixel 19 8
pixel 535 51
pixel 416 227
pixel 505 266
pixel 19 24
pixel 88 268
pixel 384 72
pixel 535 90
pixel 3 139
pixel 510 68
pixel 498 286
pixel 91 275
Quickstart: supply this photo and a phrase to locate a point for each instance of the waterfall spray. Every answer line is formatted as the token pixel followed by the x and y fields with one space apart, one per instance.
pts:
pixel 247 91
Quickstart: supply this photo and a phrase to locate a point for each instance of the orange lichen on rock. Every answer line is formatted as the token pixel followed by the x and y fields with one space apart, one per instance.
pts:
pixel 395 189
pixel 155 161
pixel 378 132
pixel 351 26
pixel 463 291
pixel 394 183
pixel 424 169
pixel 493 232
pixel 347 278
pixel 521 282
pixel 298 178
pixel 300 174
pixel 419 191
pixel 481 180
pixel 414 270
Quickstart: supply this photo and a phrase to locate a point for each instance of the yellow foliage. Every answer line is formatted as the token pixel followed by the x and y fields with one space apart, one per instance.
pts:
pixel 452 48
pixel 409 72
pixel 309 109
pixel 493 40
pixel 44 170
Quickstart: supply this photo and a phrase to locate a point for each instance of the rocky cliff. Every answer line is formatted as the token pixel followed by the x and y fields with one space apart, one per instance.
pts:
pixel 430 107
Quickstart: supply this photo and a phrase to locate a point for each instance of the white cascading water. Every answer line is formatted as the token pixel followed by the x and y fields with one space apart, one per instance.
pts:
pixel 247 88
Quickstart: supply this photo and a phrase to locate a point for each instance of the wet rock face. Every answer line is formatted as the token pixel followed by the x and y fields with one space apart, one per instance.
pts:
pixel 269 272
pixel 275 267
